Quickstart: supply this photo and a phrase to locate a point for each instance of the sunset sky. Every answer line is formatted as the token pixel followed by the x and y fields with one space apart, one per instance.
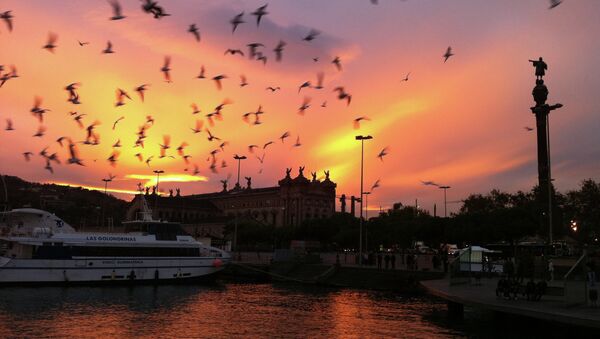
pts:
pixel 459 123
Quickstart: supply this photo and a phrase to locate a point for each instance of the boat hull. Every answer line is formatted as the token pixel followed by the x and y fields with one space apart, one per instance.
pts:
pixel 107 270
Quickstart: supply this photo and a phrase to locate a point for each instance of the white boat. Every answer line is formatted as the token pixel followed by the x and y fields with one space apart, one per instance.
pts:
pixel 39 247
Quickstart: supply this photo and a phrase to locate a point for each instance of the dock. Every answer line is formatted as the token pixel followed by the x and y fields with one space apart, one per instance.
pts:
pixel 482 295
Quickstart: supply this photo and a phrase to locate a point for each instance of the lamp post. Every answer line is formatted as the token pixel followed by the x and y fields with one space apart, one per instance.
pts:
pixel 5 207
pixel 106 181
pixel 366 194
pixel 239 158
pixel 445 203
pixel 158 173
pixel 362 156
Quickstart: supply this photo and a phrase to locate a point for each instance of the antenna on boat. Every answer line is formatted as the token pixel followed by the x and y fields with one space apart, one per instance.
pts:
pixel 146 213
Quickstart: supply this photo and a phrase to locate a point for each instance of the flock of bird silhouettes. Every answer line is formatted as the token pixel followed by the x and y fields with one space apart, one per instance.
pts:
pixel 255 52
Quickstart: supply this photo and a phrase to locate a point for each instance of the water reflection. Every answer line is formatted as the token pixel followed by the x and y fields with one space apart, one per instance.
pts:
pixel 217 311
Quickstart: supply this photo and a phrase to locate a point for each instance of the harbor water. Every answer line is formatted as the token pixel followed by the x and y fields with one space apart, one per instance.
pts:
pixel 237 310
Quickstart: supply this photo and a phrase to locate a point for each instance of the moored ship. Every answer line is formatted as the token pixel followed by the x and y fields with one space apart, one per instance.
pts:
pixel 39 247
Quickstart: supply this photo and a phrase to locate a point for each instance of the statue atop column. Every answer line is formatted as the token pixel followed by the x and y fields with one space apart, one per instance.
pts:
pixel 301 171
pixel 224 182
pixel 147 190
pixel 178 190
pixel 326 175
pixel 287 173
pixel 248 182
pixel 540 68
pixel 153 190
pixel 170 193
pixel 314 176
pixel 343 203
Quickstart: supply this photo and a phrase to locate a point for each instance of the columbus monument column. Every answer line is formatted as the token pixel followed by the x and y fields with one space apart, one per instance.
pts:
pixel 541 110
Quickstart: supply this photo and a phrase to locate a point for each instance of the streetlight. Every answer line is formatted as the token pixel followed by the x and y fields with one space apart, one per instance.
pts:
pixel 362 156
pixel 445 204
pixel 366 194
pixel 106 181
pixel 239 158
pixel 158 173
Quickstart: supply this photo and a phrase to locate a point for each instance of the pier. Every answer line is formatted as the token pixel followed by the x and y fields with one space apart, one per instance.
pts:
pixel 482 295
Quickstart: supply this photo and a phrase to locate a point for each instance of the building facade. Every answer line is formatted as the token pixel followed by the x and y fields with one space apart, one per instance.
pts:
pixel 291 202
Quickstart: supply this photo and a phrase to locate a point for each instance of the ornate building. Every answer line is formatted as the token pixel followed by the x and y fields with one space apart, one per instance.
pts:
pixel 292 202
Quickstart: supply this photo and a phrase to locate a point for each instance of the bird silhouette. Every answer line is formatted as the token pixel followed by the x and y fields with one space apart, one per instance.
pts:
pixel 117 10
pixel 267 144
pixel 198 128
pixel 383 153
pixel 116 122
pixel 251 148
pixel 27 155
pixel 284 136
pixel 40 132
pixel 337 62
pixel 279 50
pixel 166 69
pixel 320 78
pixel 7 17
pixel 273 89
pixel 357 121
pixel 74 154
pixel 554 3
pixel 448 53
pixel 108 49
pixel 114 157
pixel 121 95
pixel 9 125
pixel 141 89
pixel 528 129
pixel 375 184
pixel 194 30
pixel 236 21
pixel 83 43
pixel 234 52
pixel 252 49
pixel 305 105
pixel 311 35
pixel 342 95
pixel 306 84
pixel 218 79
pixel 243 81
pixel 51 42
pixel 259 13
pixel 406 77
pixel 201 75
pixel 117 144
pixel 297 144
pixel 429 183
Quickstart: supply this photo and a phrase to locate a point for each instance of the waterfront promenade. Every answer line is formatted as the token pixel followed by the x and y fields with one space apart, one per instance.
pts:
pixel 482 295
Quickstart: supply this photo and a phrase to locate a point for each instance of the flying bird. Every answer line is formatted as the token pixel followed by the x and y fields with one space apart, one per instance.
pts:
pixel 83 43
pixel 406 77
pixel 51 42
pixel 166 69
pixel 376 184
pixel 279 50
pixel 116 122
pixel 267 144
pixel 9 125
pixel 7 17
pixel 117 10
pixel 320 78
pixel 27 155
pixel 141 89
pixel 199 125
pixel 194 30
pixel 297 144
pixel 251 148
pixel 429 183
pixel 201 75
pixel 448 53
pixel 252 49
pixel 236 21
pixel 243 81
pixel 273 89
pixel 554 3
pixel 284 136
pixel 383 153
pixel 112 159
pixel 195 109
pixel 259 13
pixel 528 129
pixel 108 49
pixel 337 62
pixel 233 52
pixel 40 132
pixel 311 35
pixel 305 105
pixel 218 79
pixel 304 85
pixel 343 95
pixel 358 120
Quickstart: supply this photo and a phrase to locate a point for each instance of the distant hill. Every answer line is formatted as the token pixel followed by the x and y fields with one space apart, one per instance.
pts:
pixel 78 206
